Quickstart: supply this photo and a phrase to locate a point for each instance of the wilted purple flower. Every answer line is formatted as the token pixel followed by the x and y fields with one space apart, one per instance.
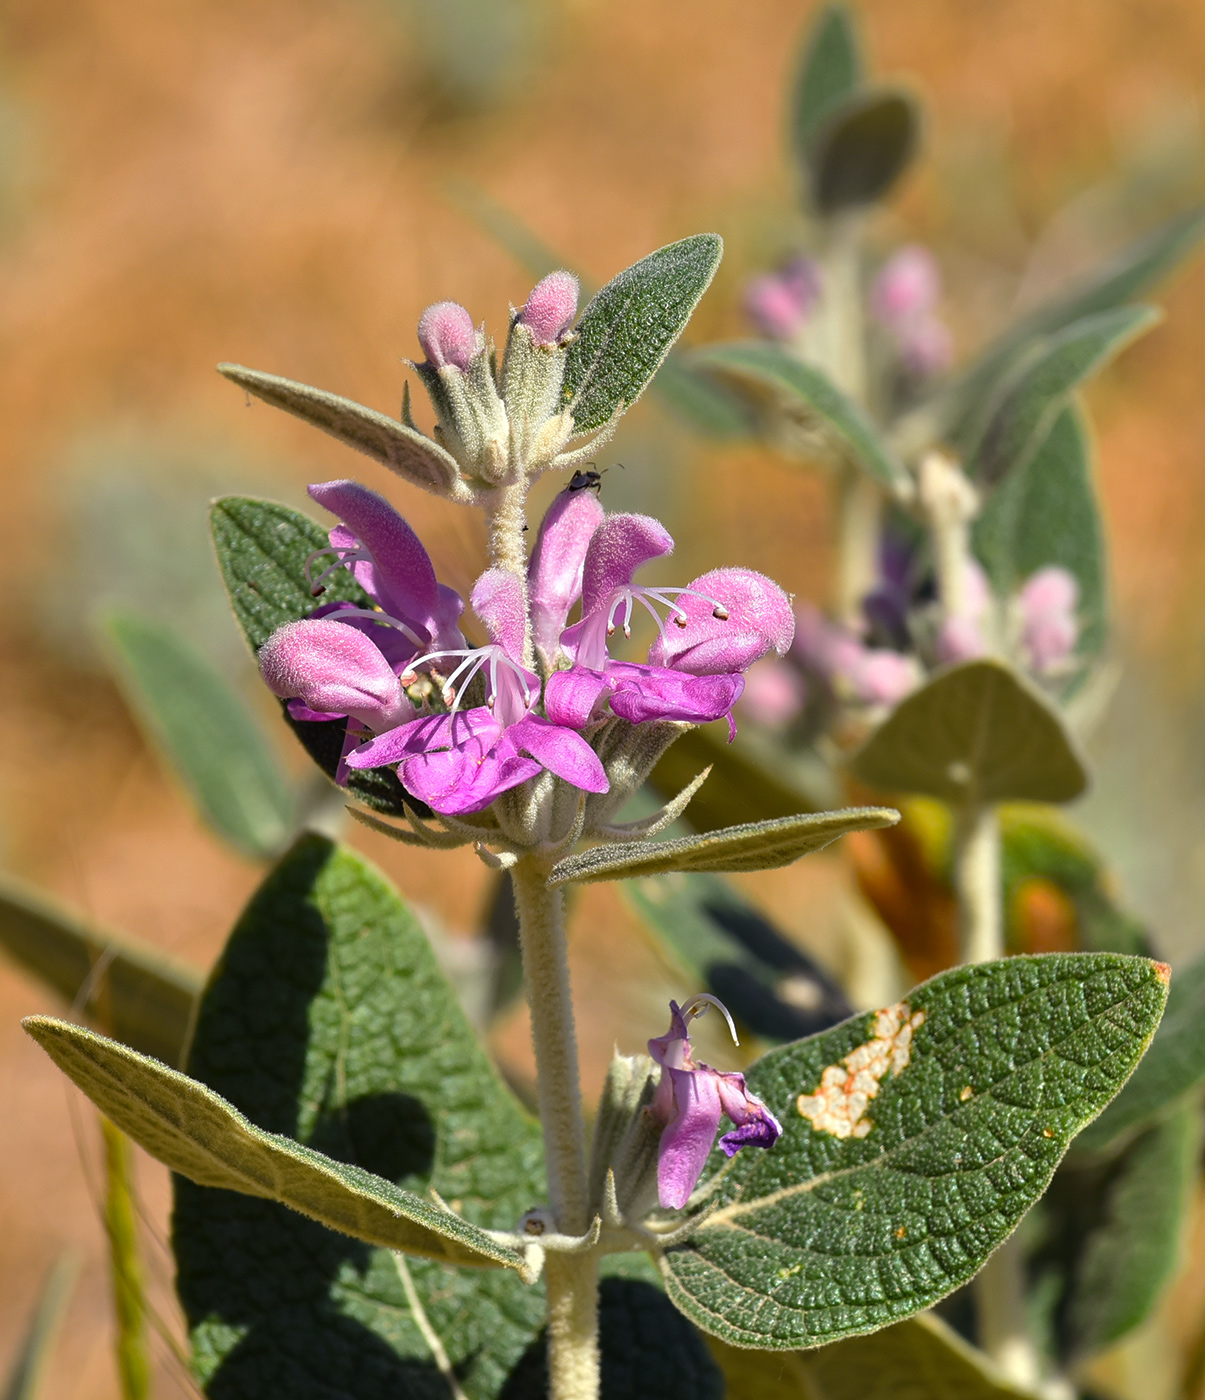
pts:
pixel 723 622
pixel 780 303
pixel 459 762
pixel 691 1098
pixel 551 307
pixel 1050 627
pixel 448 336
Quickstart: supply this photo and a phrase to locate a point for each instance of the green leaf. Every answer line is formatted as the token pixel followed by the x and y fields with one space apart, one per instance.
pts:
pixel 1174 1068
pixel 921 1358
pixel 125 1267
pixel 1119 1225
pixel 748 781
pixel 755 846
pixel 262 548
pixel 201 1136
pixel 830 70
pixel 807 396
pixel 1132 272
pixel 1039 387
pixel 359 1050
pixel 140 996
pixel 1045 512
pixel 205 733
pixel 861 148
pixel 996 1067
pixel 25 1376
pixel 730 949
pixel 978 734
pixel 403 450
pixel 628 328
pixel 699 402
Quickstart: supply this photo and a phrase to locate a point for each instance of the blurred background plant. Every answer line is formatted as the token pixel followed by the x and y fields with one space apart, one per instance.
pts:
pixel 289 189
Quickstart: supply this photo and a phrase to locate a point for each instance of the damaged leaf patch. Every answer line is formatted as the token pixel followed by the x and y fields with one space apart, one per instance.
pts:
pixel 846 1089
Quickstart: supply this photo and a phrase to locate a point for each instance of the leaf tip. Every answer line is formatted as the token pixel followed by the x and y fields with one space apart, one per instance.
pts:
pixel 1163 972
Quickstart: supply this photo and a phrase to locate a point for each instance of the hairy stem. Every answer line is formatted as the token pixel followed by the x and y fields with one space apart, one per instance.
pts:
pixel 859 523
pixel 999 1289
pixel 977 882
pixel 572 1279
pixel 506 520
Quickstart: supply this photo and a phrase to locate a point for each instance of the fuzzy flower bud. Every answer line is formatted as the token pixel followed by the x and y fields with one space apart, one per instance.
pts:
pixel 447 335
pixel 780 303
pixel 1050 628
pixel 551 307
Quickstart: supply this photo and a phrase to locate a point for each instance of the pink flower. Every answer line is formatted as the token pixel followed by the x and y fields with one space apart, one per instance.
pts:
pixel 907 286
pixel 448 336
pixel 1050 627
pixel 780 303
pixel 551 308
pixel 690 1100
pixel 774 693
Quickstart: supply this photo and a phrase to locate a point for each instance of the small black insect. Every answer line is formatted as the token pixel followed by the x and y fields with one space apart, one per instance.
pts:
pixel 586 481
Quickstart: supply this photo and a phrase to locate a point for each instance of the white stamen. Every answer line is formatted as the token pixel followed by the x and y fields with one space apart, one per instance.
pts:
pixel 697 1006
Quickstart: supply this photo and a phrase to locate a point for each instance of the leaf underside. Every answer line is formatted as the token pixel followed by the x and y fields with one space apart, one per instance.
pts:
pixel 755 846
pixel 825 1236
pixel 975 734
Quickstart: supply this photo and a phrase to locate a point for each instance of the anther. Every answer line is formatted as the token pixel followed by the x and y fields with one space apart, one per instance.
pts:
pixel 720 613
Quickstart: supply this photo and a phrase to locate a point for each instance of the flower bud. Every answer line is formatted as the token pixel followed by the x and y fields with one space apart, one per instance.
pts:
pixel 774 693
pixel 1050 628
pixel 907 286
pixel 447 335
pixel 781 303
pixel 551 308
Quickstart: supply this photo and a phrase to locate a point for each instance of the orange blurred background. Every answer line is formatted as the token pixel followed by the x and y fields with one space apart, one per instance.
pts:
pixel 285 185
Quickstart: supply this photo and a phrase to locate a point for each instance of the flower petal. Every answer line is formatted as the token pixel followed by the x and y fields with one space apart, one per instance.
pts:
pixel 430 734
pixel 554 574
pixel 334 669
pixel 756 1126
pixel 642 693
pixel 401 577
pixel 618 548
pixel 498 601
pixel 688 1137
pixel 759 620
pixel 562 751
pixel 576 697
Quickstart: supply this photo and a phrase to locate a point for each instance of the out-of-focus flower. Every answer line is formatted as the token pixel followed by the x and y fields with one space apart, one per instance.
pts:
pixel 1050 627
pixel 781 303
pixel 690 1100
pixel 868 675
pixel 774 693
pixel 904 298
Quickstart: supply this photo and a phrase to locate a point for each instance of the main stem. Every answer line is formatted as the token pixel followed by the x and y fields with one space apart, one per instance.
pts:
pixel 571 1279
pixel 506 520
pixel 1000 1286
pixel 858 498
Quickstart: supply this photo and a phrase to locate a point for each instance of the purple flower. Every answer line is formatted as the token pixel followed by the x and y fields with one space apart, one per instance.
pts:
pixel 869 675
pixel 554 571
pixel 460 761
pixel 690 1100
pixel 904 299
pixel 775 692
pixel 780 303
pixel 448 336
pixel 1050 627
pixel 723 623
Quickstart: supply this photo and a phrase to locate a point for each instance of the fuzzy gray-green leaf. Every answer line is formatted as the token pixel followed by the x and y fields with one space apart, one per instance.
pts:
pixel 1039 387
pixel 755 846
pixel 866 1214
pixel 403 450
pixel 204 731
pixel 262 548
pixel 861 147
pixel 975 734
pixel 1134 270
pixel 201 1136
pixel 1174 1067
pixel 1046 512
pixel 829 71
pixel 140 996
pixel 330 1022
pixel 806 394
pixel 628 328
